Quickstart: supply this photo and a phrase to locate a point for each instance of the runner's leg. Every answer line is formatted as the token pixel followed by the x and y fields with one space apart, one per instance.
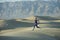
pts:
pixel 33 28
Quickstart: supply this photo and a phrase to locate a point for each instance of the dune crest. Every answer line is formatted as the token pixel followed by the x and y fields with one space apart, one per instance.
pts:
pixel 30 18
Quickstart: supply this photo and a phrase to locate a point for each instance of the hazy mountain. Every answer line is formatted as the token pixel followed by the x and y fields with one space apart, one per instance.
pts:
pixel 22 9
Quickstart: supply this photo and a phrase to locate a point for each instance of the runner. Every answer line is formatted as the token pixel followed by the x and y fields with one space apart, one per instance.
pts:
pixel 36 23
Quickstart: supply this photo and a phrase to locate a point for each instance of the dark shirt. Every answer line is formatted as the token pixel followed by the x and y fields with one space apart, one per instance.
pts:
pixel 35 21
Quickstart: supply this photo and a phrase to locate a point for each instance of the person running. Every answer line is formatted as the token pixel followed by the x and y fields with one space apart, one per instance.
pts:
pixel 36 23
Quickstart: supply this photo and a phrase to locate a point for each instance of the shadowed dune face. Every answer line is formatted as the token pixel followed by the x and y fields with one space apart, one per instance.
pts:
pixel 37 37
pixel 11 24
pixel 48 18
pixel 50 25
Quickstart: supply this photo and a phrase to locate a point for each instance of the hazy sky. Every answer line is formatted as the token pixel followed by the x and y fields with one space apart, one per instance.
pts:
pixel 22 0
pixel 15 0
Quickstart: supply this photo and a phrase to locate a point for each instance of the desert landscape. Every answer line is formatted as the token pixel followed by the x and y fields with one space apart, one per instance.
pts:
pixel 21 29
pixel 17 19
